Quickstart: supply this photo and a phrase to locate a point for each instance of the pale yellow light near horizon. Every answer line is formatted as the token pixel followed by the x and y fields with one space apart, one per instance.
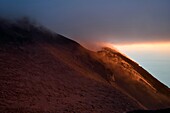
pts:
pixel 163 47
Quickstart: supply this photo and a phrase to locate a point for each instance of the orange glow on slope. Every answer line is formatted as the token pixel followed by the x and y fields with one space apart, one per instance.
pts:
pixel 163 47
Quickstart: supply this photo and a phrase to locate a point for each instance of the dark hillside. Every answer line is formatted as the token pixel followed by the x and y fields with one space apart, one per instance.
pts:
pixel 42 71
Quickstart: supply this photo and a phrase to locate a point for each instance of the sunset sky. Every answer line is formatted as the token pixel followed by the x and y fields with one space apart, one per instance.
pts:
pixel 138 28
pixel 154 57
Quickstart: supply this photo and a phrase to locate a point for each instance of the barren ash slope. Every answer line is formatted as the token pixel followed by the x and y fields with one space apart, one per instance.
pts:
pixel 41 71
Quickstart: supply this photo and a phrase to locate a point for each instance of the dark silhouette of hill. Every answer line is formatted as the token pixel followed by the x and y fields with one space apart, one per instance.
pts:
pixel 151 111
pixel 41 71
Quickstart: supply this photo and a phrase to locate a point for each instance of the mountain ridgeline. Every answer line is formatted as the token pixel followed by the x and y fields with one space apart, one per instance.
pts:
pixel 42 71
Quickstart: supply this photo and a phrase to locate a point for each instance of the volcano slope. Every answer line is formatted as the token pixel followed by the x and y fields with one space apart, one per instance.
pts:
pixel 41 71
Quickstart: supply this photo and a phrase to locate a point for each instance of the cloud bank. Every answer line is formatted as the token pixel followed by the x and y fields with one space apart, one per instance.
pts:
pixel 114 21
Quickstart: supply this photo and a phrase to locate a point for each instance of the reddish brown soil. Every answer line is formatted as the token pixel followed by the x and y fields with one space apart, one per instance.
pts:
pixel 43 72
pixel 32 80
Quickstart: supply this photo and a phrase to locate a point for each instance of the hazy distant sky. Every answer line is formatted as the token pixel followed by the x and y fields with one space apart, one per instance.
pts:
pixel 154 57
pixel 111 21
pixel 117 21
